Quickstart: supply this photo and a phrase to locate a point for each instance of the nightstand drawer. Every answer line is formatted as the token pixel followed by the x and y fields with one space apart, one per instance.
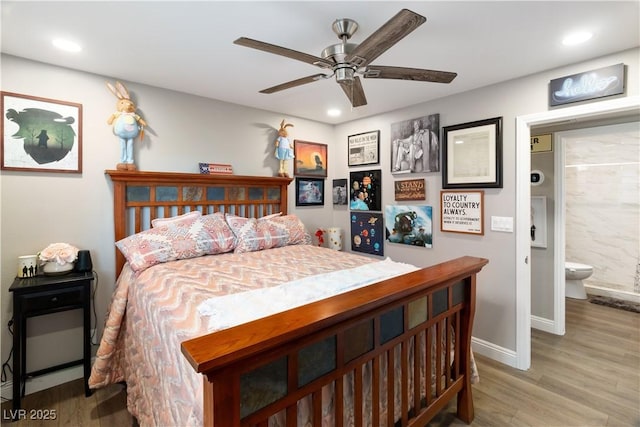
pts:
pixel 52 300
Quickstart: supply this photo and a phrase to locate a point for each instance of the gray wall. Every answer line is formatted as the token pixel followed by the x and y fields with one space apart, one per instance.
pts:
pixel 185 129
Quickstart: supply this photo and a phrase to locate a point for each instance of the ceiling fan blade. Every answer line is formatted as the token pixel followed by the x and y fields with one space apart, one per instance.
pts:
pixel 283 51
pixel 394 30
pixel 402 73
pixel 354 92
pixel 294 83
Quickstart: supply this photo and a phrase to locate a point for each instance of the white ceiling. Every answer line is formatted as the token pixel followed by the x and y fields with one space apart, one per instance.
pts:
pixel 188 46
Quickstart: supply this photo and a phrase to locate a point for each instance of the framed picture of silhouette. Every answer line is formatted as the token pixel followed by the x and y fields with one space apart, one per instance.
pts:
pixel 40 134
pixel 310 159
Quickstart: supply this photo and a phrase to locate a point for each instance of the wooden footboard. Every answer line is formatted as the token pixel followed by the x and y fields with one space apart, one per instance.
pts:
pixel 398 351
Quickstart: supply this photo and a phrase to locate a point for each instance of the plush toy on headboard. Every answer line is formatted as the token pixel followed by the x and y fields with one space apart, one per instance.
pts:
pixel 127 125
pixel 284 148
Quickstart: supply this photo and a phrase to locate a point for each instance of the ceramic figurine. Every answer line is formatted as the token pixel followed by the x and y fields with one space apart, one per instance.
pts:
pixel 127 125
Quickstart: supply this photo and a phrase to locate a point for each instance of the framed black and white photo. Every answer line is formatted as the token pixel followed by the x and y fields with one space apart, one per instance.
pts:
pixel 415 145
pixel 40 134
pixel 472 155
pixel 364 148
pixel 309 192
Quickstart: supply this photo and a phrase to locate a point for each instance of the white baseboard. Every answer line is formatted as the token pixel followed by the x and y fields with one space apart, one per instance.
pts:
pixel 492 351
pixel 543 324
pixel 613 293
pixel 43 382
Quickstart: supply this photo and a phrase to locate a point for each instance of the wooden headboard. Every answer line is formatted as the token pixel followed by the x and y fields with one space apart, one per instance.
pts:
pixel 139 197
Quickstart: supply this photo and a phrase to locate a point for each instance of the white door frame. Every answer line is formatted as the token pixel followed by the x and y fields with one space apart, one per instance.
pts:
pixel 523 206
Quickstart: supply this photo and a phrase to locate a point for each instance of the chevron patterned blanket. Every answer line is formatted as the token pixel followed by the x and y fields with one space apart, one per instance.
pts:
pixel 152 312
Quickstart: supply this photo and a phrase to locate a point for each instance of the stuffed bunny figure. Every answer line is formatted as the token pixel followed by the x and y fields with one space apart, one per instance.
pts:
pixel 127 125
pixel 284 148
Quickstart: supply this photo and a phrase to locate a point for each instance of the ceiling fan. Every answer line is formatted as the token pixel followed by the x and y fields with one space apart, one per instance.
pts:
pixel 346 60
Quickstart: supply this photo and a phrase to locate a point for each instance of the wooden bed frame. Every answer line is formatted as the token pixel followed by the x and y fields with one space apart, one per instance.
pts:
pixel 369 326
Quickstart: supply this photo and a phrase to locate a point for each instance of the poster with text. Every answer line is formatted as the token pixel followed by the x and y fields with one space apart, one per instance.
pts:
pixel 462 211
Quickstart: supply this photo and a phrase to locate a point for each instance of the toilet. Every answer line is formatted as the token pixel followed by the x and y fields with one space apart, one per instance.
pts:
pixel 574 274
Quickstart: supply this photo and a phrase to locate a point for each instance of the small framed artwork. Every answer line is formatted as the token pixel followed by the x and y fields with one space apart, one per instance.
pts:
pixel 309 191
pixel 310 159
pixel 462 211
pixel 40 134
pixel 538 222
pixel 409 225
pixel 339 191
pixel 364 148
pixel 365 190
pixel 472 155
pixel 367 233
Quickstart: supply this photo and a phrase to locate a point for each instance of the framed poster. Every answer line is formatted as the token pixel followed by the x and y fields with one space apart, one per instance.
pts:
pixel 462 211
pixel 339 191
pixel 538 222
pixel 472 155
pixel 415 145
pixel 365 190
pixel 40 134
pixel 309 191
pixel 367 234
pixel 364 148
pixel 310 159
pixel 409 225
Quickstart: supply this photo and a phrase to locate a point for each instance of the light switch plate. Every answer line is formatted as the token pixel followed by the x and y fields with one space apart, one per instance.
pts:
pixel 502 223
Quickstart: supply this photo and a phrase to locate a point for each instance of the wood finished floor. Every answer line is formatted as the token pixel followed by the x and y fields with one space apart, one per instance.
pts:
pixel 589 377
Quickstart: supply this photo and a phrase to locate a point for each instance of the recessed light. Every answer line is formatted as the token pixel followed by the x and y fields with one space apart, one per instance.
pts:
pixel 333 112
pixel 67 45
pixel 576 38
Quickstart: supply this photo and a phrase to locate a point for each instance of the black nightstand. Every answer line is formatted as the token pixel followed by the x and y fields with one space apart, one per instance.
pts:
pixel 36 296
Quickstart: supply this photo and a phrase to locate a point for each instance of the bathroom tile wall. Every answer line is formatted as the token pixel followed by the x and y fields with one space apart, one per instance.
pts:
pixel 602 196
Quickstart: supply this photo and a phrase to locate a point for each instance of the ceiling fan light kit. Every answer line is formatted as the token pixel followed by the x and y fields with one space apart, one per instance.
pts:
pixel 347 60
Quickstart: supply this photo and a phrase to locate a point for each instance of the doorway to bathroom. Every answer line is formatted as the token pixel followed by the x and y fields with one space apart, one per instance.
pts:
pixel 585 204
pixel 599 189
pixel 524 124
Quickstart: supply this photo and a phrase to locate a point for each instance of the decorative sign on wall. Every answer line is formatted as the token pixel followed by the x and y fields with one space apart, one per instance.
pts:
pixel 410 189
pixel 462 211
pixel 592 84
pixel 541 143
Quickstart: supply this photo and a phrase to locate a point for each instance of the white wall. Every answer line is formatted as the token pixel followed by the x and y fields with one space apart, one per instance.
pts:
pixel 185 129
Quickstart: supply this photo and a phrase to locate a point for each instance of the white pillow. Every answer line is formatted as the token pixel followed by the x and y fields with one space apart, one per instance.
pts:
pixel 189 216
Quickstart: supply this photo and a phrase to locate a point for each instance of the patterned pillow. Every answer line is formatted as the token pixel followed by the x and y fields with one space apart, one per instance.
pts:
pixel 298 234
pixel 206 235
pixel 189 216
pixel 256 234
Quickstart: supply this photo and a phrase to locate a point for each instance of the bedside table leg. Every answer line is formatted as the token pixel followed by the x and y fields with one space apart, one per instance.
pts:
pixel 87 338
pixel 17 358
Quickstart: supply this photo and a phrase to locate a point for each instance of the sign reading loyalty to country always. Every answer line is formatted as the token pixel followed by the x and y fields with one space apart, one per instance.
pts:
pixel 462 211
